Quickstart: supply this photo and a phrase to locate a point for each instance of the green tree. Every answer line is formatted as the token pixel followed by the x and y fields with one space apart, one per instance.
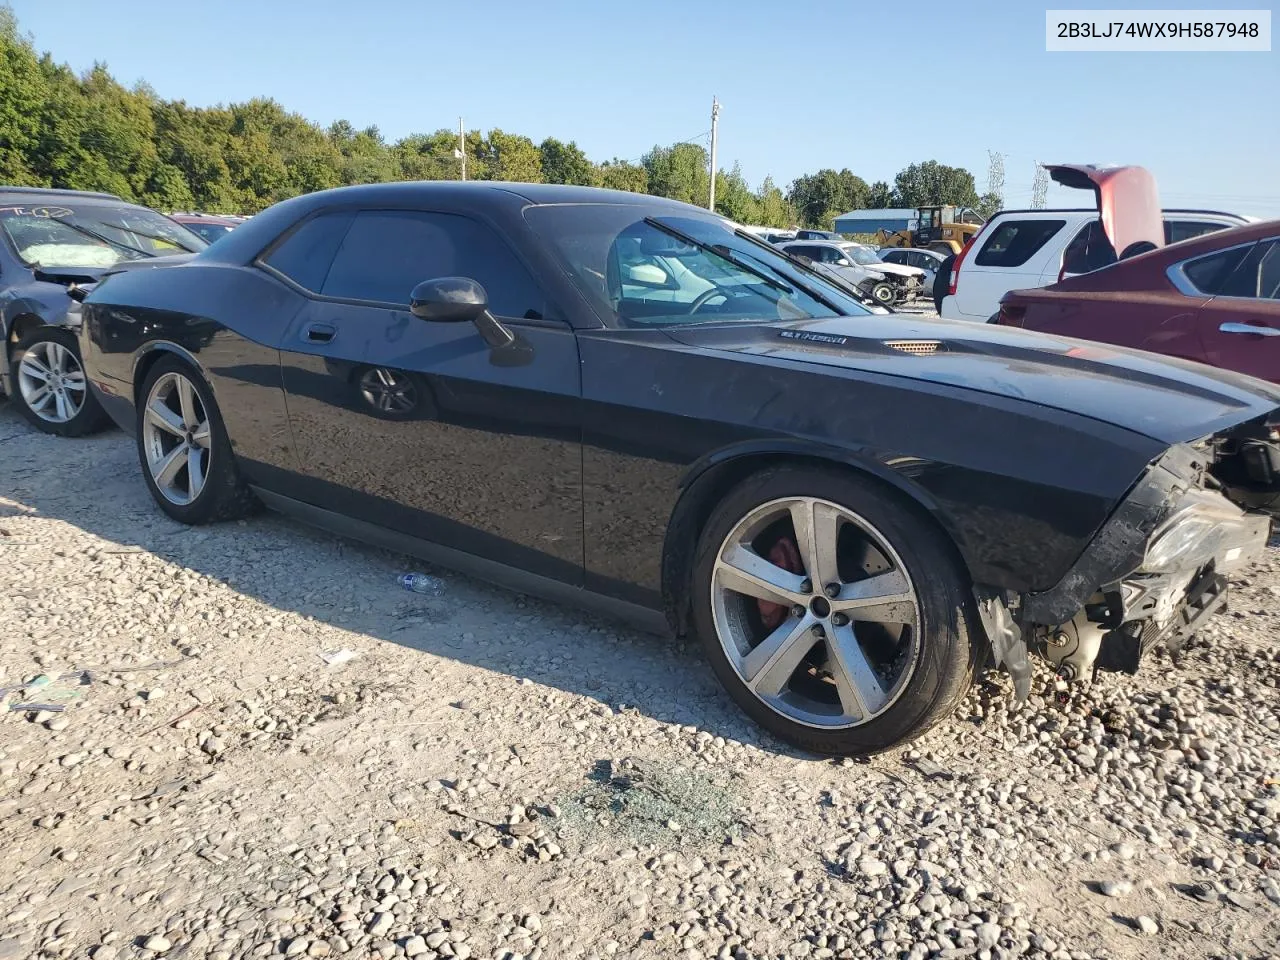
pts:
pixel 988 204
pixel 880 196
pixel 775 211
pixel 931 183
pixel 513 158
pixel 735 199
pixel 566 163
pixel 678 172
pixel 821 197
pixel 23 93
pixel 622 175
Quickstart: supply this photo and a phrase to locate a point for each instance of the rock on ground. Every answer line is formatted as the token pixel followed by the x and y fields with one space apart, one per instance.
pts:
pixel 214 788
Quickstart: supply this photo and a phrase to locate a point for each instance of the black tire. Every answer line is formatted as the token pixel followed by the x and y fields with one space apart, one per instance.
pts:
pixel 949 635
pixel 883 294
pixel 90 418
pixel 224 495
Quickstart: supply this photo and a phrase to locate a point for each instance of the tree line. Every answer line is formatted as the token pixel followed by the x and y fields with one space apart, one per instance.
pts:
pixel 88 132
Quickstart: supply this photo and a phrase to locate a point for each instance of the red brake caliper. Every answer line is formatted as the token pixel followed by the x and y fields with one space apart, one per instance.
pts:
pixel 784 554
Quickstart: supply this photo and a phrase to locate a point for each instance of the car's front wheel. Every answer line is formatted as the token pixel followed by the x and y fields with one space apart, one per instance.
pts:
pixel 50 386
pixel 883 294
pixel 833 613
pixel 183 446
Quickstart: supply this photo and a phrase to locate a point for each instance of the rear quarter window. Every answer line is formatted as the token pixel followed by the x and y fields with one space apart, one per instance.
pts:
pixel 305 254
pixel 1014 242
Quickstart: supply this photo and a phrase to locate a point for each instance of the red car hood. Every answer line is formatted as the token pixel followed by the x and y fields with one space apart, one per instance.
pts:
pixel 1127 201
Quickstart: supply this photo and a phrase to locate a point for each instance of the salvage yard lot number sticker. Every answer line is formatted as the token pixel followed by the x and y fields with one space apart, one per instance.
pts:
pixel 1131 31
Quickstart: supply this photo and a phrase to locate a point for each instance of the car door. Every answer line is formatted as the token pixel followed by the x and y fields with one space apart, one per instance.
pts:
pixel 1240 325
pixel 421 427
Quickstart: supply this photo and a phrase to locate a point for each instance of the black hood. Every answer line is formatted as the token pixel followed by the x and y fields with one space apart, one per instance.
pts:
pixel 1173 401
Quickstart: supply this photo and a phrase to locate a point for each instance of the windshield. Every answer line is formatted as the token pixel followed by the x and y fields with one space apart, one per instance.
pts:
pixel 862 255
pixel 93 236
pixel 667 270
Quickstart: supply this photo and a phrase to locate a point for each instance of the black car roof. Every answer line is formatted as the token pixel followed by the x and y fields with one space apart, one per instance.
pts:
pixel 35 193
pixel 483 196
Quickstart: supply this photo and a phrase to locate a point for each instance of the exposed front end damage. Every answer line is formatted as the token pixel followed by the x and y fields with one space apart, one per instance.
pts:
pixel 1156 570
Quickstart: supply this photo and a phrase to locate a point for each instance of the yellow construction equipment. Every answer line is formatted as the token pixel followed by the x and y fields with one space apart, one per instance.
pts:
pixel 944 228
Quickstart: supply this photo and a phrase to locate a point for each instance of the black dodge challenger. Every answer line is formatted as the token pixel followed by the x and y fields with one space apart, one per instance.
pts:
pixel 632 404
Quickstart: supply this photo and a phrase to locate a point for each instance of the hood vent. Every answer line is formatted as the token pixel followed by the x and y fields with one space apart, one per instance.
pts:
pixel 922 348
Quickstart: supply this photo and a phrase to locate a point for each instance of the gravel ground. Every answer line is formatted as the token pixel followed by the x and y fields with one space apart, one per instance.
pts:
pixel 492 776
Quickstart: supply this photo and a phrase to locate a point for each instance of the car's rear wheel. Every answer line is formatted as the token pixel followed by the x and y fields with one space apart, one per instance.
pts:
pixel 50 386
pixel 833 614
pixel 183 446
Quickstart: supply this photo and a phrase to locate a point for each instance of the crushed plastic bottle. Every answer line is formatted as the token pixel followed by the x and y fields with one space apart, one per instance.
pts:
pixel 421 583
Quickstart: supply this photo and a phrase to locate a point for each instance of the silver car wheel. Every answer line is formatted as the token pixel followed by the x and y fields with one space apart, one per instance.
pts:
pixel 176 439
pixel 848 639
pixel 51 381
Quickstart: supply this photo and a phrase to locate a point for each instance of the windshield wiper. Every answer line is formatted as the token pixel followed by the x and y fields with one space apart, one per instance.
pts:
pixel 102 238
pixel 724 253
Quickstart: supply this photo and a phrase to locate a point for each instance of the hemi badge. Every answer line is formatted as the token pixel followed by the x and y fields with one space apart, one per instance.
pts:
pixel 813 337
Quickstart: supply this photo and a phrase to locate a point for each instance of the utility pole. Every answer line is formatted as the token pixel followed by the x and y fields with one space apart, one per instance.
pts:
pixel 715 120
pixel 461 152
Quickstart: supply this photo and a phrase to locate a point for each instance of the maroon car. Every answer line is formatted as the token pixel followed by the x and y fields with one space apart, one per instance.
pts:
pixel 1214 298
pixel 209 227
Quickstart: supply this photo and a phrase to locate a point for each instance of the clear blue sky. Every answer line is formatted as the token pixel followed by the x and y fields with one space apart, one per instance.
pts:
pixel 871 86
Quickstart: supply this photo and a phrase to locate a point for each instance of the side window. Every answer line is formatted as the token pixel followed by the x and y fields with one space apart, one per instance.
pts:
pixel 1209 273
pixel 893 256
pixel 829 254
pixel 1015 242
pixel 305 254
pixel 1088 250
pixel 387 253
pixel 1175 230
pixel 1257 275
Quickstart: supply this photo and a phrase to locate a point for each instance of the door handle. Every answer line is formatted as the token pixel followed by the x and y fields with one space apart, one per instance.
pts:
pixel 319 333
pixel 1250 328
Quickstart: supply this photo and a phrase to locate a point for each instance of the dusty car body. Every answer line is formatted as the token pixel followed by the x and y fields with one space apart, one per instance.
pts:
pixel 852 511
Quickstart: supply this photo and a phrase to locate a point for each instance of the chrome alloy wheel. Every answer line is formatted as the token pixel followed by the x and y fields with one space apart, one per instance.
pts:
pixel 176 439
pixel 847 640
pixel 51 381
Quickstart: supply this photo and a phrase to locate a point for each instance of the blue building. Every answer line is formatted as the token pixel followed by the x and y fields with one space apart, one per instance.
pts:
pixel 869 221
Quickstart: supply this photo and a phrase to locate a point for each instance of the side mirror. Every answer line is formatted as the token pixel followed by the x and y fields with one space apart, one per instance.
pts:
pixel 844 262
pixel 456 300
pixel 648 275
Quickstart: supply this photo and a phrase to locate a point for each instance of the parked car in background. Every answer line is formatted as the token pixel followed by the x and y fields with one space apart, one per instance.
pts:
pixel 1215 299
pixel 853 512
pixel 1019 249
pixel 209 227
pixel 54 245
pixel 895 283
pixel 816 235
pixel 921 259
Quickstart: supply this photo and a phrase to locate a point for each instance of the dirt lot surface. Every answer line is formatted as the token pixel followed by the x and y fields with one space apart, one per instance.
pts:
pixel 491 776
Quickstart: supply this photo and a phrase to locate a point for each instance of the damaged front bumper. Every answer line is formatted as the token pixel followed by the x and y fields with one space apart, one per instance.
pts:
pixel 1153 573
